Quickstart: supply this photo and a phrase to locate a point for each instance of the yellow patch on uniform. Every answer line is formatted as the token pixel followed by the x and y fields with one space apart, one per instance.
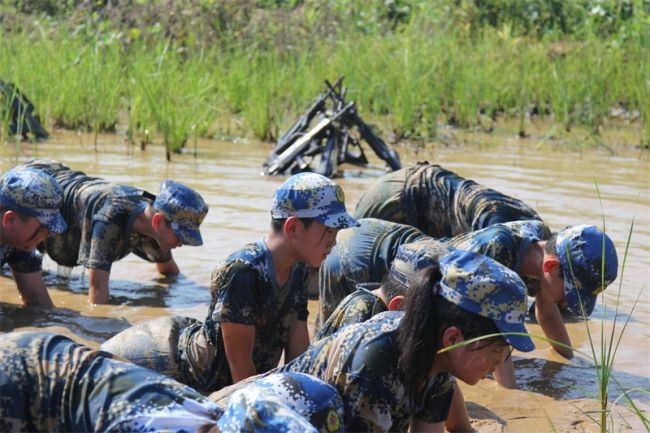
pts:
pixel 333 421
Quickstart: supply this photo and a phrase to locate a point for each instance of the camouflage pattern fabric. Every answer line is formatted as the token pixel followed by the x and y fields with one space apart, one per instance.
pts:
pixel 506 243
pixel 244 291
pixel 584 253
pixel 483 286
pixel 357 307
pixel 362 255
pixel 360 361
pixel 439 202
pixel 153 344
pixel 184 208
pixel 32 192
pixel 49 383
pixel 20 261
pixel 319 405
pixel 100 218
pixel 311 195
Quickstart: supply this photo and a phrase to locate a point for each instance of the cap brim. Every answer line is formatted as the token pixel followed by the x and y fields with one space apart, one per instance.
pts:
pixel 576 303
pixel 339 221
pixel 520 342
pixel 54 223
pixel 187 236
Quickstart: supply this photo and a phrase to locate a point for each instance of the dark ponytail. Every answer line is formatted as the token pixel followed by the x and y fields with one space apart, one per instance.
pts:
pixel 426 318
pixel 415 337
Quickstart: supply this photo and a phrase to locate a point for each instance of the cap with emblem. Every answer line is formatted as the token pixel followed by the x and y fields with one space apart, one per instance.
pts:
pixel 310 195
pixel 481 285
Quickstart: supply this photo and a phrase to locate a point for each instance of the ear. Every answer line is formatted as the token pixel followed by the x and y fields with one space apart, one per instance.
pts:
pixel 156 220
pixel 8 219
pixel 291 227
pixel 396 303
pixel 451 336
pixel 550 262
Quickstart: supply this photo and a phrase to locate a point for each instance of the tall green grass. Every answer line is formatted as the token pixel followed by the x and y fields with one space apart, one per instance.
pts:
pixel 414 79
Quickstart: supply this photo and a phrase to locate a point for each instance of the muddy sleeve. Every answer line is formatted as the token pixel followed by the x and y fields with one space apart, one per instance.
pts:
pixel 236 286
pixel 105 236
pixel 23 261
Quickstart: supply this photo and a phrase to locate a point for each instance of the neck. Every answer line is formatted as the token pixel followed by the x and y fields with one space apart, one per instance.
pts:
pixel 142 224
pixel 531 265
pixel 379 292
pixel 283 255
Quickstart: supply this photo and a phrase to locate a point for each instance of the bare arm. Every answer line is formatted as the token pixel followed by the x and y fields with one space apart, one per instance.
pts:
pixel 550 319
pixel 238 341
pixel 32 289
pixel 457 419
pixel 505 374
pixel 98 286
pixel 168 268
pixel 298 341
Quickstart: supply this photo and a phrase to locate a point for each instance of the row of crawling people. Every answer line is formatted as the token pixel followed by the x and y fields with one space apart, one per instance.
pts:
pixel 433 262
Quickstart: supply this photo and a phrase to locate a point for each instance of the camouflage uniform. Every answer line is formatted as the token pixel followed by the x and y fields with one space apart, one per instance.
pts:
pixel 357 307
pixel 50 383
pixel 100 218
pixel 506 243
pixel 20 261
pixel 30 192
pixel 439 202
pixel 361 362
pixel 361 255
pixel 244 291
pixel 316 402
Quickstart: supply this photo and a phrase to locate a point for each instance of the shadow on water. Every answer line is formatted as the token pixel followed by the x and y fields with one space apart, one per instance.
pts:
pixel 577 379
pixel 97 329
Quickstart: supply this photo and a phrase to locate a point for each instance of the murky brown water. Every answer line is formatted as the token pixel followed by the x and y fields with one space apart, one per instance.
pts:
pixel 559 183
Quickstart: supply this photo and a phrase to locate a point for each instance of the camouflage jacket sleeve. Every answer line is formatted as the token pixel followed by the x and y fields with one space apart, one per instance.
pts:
pixel 436 400
pixel 101 251
pixel 23 261
pixel 236 287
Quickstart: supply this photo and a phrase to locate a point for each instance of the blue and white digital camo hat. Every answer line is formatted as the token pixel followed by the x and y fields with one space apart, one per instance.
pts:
pixel 481 285
pixel 310 195
pixel 284 402
pixel 34 193
pixel 185 210
pixel 583 252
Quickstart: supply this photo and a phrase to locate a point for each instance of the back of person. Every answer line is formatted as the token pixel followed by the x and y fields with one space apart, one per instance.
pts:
pixel 439 202
pixel 50 383
pixel 362 254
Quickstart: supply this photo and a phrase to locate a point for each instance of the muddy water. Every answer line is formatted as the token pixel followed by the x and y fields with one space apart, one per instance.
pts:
pixel 560 184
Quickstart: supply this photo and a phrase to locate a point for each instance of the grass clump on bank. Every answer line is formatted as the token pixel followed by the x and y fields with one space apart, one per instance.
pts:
pixel 189 71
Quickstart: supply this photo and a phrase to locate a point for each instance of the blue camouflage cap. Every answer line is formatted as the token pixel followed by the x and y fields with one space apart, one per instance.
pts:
pixel 34 193
pixel 185 210
pixel 310 195
pixel 583 250
pixel 284 402
pixel 481 285
pixel 414 257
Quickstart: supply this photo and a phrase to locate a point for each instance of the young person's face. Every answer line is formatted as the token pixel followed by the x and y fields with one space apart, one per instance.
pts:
pixel 22 232
pixel 313 243
pixel 165 235
pixel 473 362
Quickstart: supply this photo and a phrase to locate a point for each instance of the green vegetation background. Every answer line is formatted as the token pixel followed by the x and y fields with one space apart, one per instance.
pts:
pixel 186 68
